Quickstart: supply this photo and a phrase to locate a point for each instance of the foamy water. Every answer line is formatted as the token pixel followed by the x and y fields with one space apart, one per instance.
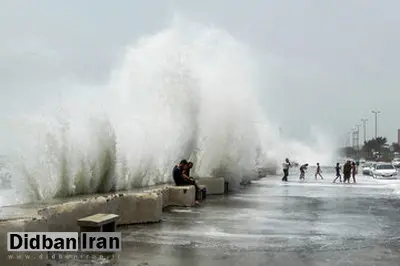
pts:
pixel 381 185
pixel 188 91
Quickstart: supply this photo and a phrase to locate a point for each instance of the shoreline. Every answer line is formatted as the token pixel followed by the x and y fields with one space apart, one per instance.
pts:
pixel 139 206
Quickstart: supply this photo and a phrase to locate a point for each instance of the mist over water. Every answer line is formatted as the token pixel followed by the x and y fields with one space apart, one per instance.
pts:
pixel 189 91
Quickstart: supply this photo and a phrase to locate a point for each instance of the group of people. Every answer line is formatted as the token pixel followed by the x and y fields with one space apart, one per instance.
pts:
pixel 181 176
pixel 349 170
pixel 286 165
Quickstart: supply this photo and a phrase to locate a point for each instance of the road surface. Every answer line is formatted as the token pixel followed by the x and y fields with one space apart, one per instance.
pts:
pixel 270 223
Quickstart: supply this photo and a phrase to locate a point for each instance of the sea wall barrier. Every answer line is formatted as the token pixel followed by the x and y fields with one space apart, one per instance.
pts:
pixel 214 185
pixel 132 208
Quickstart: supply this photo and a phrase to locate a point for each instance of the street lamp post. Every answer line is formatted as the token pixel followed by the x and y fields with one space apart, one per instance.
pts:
pixel 364 121
pixel 353 139
pixel 376 112
pixel 348 138
pixel 358 136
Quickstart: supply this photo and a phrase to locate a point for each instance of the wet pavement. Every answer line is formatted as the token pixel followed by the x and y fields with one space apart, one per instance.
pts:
pixel 271 223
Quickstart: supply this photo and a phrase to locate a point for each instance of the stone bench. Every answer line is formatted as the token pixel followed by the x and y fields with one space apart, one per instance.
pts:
pixel 183 196
pixel 214 185
pixel 100 222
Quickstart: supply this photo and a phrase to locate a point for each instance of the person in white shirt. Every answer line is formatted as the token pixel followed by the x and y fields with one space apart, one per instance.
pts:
pixel 285 166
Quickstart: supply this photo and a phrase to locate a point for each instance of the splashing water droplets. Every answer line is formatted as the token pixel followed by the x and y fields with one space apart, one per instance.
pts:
pixel 186 92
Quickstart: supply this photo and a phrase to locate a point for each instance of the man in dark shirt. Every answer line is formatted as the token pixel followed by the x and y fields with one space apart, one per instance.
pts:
pixel 177 173
pixel 347 172
pixel 338 175
pixel 285 166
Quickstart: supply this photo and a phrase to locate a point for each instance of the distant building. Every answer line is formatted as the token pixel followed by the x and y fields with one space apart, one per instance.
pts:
pixel 398 136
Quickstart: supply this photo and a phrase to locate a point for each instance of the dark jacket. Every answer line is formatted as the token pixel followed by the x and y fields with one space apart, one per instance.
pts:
pixel 177 175
pixel 347 169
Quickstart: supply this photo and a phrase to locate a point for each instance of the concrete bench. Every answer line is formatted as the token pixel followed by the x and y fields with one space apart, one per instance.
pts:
pixel 100 222
pixel 214 185
pixel 184 196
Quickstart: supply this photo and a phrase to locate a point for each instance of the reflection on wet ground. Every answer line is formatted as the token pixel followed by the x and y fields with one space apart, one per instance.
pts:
pixel 271 223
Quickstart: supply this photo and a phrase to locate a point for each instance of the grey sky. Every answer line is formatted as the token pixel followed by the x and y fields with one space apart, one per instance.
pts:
pixel 328 63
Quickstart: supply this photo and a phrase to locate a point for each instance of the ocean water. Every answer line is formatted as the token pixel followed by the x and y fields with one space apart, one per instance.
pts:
pixel 188 91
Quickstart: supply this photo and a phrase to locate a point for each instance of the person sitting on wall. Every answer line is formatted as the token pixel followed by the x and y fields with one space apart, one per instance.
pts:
pixel 179 173
pixel 186 172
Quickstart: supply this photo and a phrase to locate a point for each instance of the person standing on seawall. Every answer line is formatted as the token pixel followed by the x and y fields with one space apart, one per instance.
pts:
pixel 286 166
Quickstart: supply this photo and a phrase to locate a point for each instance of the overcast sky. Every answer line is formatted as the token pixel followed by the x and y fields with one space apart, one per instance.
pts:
pixel 329 62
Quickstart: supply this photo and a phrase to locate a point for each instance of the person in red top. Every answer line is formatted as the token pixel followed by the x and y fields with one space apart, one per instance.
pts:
pixel 353 171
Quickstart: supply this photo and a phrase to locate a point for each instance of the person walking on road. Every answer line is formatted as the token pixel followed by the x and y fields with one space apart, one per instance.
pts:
pixel 318 172
pixel 353 171
pixel 338 175
pixel 347 172
pixel 286 166
pixel 303 169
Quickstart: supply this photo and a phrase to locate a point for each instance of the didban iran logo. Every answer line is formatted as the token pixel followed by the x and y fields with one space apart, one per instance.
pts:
pixel 64 241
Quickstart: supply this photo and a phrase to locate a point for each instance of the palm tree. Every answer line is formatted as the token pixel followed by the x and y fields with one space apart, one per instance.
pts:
pixel 374 145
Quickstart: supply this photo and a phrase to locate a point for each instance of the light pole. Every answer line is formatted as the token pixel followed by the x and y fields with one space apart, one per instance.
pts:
pixel 364 121
pixel 376 112
pixel 351 138
pixel 357 133
pixel 348 139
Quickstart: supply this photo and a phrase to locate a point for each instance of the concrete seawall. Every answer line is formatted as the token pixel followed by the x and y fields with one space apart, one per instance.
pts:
pixel 214 185
pixel 145 206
